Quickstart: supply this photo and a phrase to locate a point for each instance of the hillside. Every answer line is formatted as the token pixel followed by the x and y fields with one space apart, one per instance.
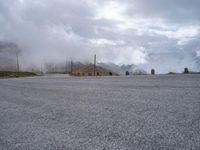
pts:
pixel 7 74
pixel 88 70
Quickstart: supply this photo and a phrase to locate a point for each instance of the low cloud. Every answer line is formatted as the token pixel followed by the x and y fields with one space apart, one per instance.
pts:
pixel 151 34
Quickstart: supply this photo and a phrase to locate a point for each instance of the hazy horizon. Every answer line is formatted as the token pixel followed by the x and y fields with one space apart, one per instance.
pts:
pixel 150 33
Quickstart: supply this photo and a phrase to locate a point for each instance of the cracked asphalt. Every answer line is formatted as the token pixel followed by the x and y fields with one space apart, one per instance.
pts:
pixel 100 113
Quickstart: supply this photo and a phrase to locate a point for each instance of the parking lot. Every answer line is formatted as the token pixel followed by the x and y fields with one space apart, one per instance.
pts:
pixel 138 112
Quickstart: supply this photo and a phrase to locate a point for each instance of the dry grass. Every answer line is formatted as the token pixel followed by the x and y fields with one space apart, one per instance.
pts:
pixel 7 74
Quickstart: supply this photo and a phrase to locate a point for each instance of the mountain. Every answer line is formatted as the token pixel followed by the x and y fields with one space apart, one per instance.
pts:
pixel 113 67
pixel 129 68
pixel 121 70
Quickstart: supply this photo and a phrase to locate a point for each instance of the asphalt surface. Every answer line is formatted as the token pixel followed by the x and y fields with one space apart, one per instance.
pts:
pixel 96 113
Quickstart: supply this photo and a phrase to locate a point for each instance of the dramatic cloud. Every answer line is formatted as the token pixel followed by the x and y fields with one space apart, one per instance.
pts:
pixel 149 33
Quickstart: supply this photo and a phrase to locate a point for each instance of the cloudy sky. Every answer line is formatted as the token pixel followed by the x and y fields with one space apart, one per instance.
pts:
pixel 160 34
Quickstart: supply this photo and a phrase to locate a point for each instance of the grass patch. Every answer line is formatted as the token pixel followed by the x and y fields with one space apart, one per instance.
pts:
pixel 7 74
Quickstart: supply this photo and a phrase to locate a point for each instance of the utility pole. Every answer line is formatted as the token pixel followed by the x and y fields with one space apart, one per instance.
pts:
pixel 71 67
pixel 17 57
pixel 66 67
pixel 41 71
pixel 95 57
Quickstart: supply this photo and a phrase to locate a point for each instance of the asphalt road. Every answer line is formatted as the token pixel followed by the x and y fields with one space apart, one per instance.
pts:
pixel 96 113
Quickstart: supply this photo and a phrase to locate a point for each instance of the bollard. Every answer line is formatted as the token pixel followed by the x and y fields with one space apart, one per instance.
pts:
pixel 186 71
pixel 152 71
